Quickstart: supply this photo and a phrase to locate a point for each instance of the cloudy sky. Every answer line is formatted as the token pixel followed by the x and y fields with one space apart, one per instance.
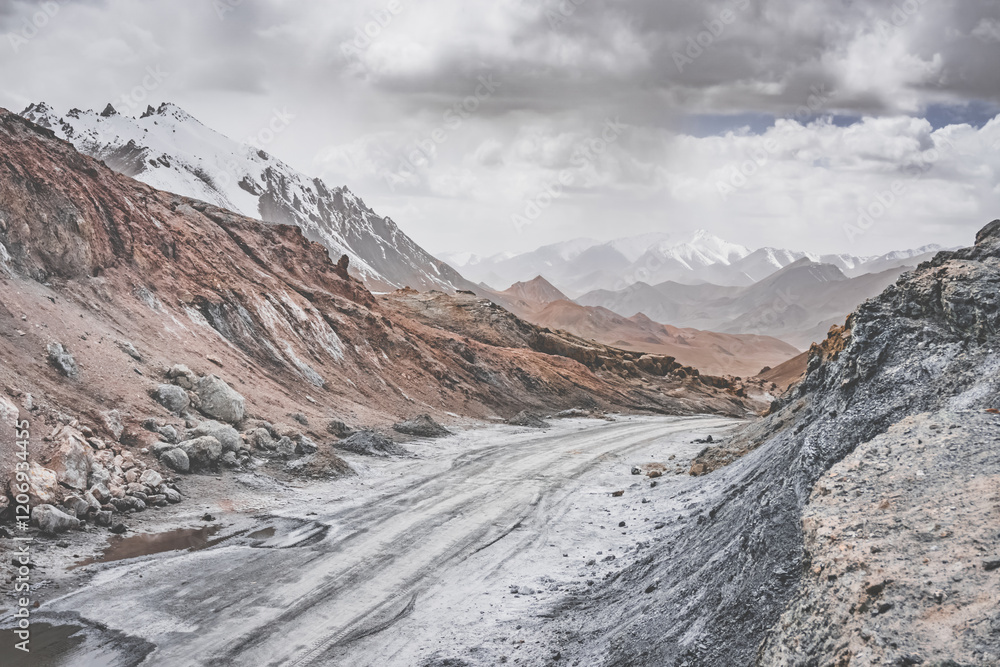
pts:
pixel 854 126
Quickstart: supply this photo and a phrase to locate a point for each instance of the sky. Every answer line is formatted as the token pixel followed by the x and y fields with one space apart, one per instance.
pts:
pixel 855 126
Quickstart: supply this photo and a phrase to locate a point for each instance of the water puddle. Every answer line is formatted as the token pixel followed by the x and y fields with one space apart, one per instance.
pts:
pixel 146 544
pixel 71 646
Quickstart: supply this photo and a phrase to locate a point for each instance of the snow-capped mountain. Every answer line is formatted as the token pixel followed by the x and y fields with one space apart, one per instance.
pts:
pixel 169 149
pixel 585 265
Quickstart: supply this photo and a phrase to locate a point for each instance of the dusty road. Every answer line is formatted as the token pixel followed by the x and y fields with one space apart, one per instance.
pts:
pixel 390 569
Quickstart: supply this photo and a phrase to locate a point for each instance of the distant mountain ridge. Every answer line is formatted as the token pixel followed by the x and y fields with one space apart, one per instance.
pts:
pixel 584 265
pixel 169 149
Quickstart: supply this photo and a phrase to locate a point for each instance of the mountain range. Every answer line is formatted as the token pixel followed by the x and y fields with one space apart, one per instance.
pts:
pixel 584 265
pixel 170 150
pixel 540 303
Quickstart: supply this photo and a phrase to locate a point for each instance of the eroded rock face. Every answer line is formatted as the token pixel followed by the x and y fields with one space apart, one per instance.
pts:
pixel 927 344
pixel 220 401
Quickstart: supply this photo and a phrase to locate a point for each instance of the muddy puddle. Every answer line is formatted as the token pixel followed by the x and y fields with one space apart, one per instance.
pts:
pixel 146 544
pixel 70 646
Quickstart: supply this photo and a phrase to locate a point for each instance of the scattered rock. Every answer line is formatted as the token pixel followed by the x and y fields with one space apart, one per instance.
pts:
pixel 202 452
pixel 183 377
pixel 172 397
pixel 51 520
pixel 422 426
pixel 300 418
pixel 129 349
pixel 220 401
pixel 119 528
pixel 617 494
pixel 225 434
pixel 62 360
pixel 176 459
pixel 151 478
pixel 991 565
pixel 43 486
pixel 103 518
pixel 73 461
pixel 370 443
pixel 113 422
pixel 528 420
pixel 339 429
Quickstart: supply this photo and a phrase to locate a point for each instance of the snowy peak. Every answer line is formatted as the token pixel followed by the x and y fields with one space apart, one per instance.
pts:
pixel 169 149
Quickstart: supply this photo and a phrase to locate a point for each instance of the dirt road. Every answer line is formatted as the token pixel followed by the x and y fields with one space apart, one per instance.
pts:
pixel 391 567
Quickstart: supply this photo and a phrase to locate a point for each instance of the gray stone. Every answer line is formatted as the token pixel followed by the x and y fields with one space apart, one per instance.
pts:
pixel 260 439
pixel 306 446
pixel 62 360
pixel 229 460
pixel 422 426
pixel 220 401
pixel 151 478
pixel 202 452
pixel 340 429
pixel 528 420
pixel 172 495
pixel 103 518
pixel 129 349
pixel 113 422
pixel 370 443
pixel 225 434
pixel 286 448
pixel 171 397
pixel 169 433
pixel 52 520
pixel 182 376
pixel 176 459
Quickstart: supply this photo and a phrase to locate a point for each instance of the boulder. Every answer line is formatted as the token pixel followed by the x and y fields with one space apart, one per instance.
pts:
pixel 171 397
pixel 76 506
pixel 220 401
pixel 73 460
pixel 52 520
pixel 260 439
pixel 370 443
pixel 202 452
pixel 113 422
pixel 286 448
pixel 62 360
pixel 176 459
pixel 172 495
pixel 422 426
pixel 103 518
pixel 43 486
pixel 305 446
pixel 225 434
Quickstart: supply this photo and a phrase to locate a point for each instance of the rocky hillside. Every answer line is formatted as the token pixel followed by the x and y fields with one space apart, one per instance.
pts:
pixel 170 150
pixel 143 331
pixel 857 524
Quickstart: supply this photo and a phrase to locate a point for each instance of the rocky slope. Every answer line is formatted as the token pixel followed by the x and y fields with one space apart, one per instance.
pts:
pixel 737 566
pixel 143 331
pixel 170 150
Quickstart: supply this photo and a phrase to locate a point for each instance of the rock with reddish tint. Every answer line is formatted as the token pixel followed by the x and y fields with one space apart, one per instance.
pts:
pixel 73 460
pixel 43 486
